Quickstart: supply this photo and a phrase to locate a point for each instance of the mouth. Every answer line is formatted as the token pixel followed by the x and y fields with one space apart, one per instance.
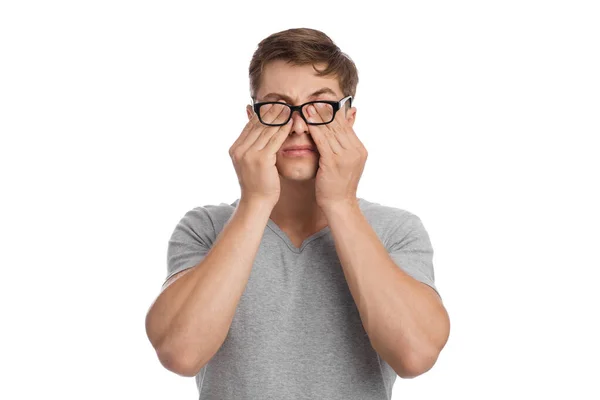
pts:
pixel 299 152
pixel 300 147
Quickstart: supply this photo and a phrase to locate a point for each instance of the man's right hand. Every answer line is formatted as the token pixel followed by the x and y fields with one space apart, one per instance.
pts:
pixel 254 155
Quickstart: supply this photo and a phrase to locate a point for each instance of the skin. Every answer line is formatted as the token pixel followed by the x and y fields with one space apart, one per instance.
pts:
pixel 297 212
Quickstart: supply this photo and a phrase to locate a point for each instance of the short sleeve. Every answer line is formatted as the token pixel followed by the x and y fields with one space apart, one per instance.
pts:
pixel 410 248
pixel 190 241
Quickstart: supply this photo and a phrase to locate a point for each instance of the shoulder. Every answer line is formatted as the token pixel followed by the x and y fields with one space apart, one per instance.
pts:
pixel 385 215
pixel 390 222
pixel 208 217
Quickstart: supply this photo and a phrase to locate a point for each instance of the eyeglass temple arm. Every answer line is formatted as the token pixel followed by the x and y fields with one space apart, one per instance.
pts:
pixel 343 101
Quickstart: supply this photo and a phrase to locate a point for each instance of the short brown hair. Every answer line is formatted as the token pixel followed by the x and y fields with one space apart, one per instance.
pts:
pixel 301 46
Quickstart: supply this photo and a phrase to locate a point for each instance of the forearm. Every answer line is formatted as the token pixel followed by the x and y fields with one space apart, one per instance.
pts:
pixel 195 312
pixel 403 318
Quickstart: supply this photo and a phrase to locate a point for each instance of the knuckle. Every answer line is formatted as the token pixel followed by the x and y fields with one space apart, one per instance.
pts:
pixel 250 157
pixel 238 156
pixel 262 161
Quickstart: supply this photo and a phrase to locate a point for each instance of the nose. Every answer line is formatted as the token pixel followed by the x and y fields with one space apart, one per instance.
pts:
pixel 298 124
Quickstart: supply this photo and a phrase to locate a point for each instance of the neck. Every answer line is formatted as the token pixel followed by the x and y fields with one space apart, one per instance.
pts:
pixel 297 208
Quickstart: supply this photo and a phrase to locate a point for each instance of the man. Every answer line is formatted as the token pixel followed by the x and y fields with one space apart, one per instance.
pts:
pixel 299 289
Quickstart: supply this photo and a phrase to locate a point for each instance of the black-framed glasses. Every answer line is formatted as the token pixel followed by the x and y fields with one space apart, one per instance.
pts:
pixel 277 113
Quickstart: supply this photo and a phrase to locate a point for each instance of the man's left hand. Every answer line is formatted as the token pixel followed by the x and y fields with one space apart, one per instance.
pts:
pixel 342 160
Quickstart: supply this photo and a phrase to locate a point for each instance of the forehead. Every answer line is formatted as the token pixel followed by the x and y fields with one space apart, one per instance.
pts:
pixel 295 81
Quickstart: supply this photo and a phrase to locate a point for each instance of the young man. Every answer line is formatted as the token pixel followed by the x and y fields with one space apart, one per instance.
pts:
pixel 299 289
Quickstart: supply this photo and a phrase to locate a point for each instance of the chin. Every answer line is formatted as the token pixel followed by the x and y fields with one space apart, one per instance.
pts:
pixel 297 173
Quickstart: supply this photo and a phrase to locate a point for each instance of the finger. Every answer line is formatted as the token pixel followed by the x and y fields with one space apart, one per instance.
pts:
pixel 257 129
pixel 251 137
pixel 277 113
pixel 247 128
pixel 324 112
pixel 326 137
pixel 350 133
pixel 341 131
pixel 269 131
pixel 335 131
pixel 278 138
pixel 320 140
pixel 352 140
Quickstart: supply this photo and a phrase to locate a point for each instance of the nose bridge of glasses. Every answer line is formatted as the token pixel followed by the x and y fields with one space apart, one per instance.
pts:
pixel 299 110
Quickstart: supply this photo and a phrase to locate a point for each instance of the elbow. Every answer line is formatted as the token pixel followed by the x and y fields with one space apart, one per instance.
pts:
pixel 406 373
pixel 153 331
pixel 183 358
pixel 415 366
pixel 410 372
pixel 174 361
pixel 179 363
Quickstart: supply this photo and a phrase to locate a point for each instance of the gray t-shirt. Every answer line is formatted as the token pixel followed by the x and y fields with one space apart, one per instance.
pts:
pixel 297 333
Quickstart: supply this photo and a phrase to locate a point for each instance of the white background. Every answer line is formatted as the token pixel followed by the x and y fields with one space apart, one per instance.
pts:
pixel 482 118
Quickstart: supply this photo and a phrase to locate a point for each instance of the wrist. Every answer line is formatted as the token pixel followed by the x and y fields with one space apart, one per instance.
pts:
pixel 340 206
pixel 257 206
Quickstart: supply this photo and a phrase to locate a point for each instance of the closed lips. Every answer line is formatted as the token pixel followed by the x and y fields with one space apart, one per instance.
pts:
pixel 299 148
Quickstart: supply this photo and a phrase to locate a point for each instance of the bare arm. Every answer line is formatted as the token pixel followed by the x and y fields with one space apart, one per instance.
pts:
pixel 189 320
pixel 405 319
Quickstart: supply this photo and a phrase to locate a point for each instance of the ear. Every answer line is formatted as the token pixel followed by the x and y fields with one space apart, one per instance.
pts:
pixel 351 116
pixel 249 111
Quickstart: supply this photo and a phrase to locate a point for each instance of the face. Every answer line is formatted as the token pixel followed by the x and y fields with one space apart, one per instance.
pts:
pixel 295 85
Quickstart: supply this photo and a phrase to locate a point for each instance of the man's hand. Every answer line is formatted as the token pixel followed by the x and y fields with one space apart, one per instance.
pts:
pixel 342 160
pixel 254 155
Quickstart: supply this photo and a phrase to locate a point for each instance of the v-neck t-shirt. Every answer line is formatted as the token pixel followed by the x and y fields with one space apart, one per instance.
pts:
pixel 296 332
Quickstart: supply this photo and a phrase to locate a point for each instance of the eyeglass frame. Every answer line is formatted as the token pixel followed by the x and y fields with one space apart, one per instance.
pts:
pixel 337 105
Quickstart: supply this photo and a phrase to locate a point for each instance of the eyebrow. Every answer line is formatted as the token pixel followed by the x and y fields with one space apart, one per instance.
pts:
pixel 319 92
